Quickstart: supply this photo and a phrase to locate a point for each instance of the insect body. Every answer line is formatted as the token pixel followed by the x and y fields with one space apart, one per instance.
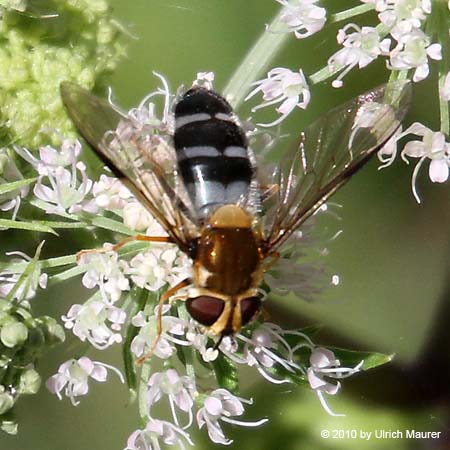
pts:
pixel 208 206
pixel 211 151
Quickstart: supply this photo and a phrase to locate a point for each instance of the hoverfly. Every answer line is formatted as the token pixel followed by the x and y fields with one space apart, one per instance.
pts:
pixel 214 206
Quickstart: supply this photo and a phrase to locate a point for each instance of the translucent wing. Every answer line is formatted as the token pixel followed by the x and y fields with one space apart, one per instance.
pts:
pixel 140 160
pixel 327 154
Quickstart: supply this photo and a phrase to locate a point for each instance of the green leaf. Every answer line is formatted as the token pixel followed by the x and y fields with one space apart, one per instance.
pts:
pixel 42 205
pixel 138 299
pixel 29 226
pixel 66 275
pixel 58 224
pixel 350 358
pixel 9 187
pixel 226 373
pixel 112 225
pixel 281 373
pixel 27 274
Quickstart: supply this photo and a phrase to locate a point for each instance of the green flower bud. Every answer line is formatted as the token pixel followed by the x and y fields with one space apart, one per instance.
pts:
pixel 4 306
pixel 53 331
pixel 29 382
pixel 6 400
pixel 13 333
pixel 8 426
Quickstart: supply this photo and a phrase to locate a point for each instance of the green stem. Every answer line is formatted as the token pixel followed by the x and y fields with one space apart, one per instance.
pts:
pixel 352 12
pixel 188 351
pixel 143 391
pixel 265 49
pixel 256 61
pixel 441 16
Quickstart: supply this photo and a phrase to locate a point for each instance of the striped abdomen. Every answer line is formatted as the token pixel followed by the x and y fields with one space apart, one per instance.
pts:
pixel 211 151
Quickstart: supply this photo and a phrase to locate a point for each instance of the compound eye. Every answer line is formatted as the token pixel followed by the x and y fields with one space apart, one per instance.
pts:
pixel 205 309
pixel 250 308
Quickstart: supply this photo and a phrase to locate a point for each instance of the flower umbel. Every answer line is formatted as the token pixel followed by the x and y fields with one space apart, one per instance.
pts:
pixel 128 279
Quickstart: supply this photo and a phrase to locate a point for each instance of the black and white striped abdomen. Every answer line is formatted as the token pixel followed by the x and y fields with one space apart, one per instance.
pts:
pixel 211 151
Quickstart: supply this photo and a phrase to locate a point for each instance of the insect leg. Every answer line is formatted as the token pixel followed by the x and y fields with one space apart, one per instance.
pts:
pixel 268 190
pixel 114 248
pixel 162 300
pixel 272 258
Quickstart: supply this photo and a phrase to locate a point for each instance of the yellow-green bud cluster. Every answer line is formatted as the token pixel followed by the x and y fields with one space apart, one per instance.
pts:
pixel 71 40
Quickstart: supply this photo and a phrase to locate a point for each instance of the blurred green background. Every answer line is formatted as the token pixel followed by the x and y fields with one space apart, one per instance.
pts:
pixel 392 258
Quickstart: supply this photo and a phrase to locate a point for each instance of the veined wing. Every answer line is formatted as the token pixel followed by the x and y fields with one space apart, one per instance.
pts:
pixel 328 153
pixel 134 159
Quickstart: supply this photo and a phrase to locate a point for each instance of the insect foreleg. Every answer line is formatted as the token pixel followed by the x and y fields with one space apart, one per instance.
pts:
pixel 114 248
pixel 166 296
pixel 268 191
pixel 271 259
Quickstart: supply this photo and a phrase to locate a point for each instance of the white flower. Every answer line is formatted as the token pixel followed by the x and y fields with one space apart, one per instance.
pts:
pixel 145 118
pixel 67 155
pixel 303 17
pixel 179 390
pixel 282 86
pixel 109 193
pixel 267 348
pixel 395 11
pixel 171 328
pixel 388 152
pixel 26 290
pixel 97 322
pixel 61 190
pixel 73 377
pixel 155 430
pixel 412 52
pixel 204 79
pixel 64 192
pixel 9 172
pixel 222 405
pixel 199 341
pixel 136 217
pixel 324 364
pixel 432 146
pixel 162 264
pixel 361 47
pixel 105 270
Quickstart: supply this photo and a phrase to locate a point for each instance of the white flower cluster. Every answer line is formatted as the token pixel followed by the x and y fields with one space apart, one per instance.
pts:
pixel 62 184
pixel 265 348
pixel 63 188
pixel 402 36
pixel 408 46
